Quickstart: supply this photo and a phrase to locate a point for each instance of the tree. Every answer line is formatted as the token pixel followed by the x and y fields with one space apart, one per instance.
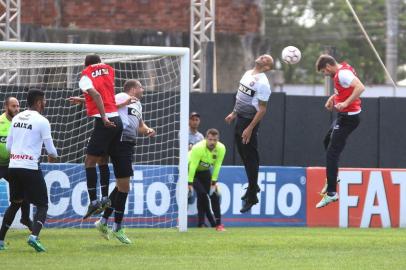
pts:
pixel 311 25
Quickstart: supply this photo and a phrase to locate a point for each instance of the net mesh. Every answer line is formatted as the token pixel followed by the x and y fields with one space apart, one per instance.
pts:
pixel 152 198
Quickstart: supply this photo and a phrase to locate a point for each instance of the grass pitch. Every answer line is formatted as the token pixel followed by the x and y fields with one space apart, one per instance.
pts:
pixel 237 248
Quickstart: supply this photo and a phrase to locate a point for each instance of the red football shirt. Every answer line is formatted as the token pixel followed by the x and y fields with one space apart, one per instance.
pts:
pixel 102 77
pixel 343 93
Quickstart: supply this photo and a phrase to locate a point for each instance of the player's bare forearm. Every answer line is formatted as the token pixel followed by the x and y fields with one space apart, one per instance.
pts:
pixel 356 93
pixel 330 103
pixel 76 100
pixel 259 115
pixel 129 101
pixel 146 130
pixel 98 100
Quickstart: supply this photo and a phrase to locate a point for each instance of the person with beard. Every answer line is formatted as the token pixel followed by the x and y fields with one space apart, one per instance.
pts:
pixel 11 108
pixel 346 101
pixel 29 131
pixel 205 155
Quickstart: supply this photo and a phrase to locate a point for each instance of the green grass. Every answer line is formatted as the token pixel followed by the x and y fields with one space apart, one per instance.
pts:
pixel 238 248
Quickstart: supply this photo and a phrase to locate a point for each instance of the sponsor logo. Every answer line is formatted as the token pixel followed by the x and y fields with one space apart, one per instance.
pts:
pixel 368 198
pixel 246 90
pixel 281 199
pixel 100 72
pixel 22 125
pixel 21 157
pixel 134 112
pixel 204 164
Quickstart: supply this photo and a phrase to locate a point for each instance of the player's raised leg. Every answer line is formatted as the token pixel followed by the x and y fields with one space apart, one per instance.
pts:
pixel 119 208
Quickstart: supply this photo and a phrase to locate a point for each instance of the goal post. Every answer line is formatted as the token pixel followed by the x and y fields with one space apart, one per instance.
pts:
pixel 160 162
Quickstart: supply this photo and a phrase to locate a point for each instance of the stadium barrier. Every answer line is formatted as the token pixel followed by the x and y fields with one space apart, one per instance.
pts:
pixel 368 197
pixel 282 200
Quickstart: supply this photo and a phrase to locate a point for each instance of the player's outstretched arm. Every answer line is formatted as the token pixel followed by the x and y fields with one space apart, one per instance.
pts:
pixel 76 100
pixel 127 102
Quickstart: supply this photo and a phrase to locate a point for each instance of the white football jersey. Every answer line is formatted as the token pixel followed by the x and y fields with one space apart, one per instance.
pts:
pixel 251 89
pixel 28 131
pixel 130 115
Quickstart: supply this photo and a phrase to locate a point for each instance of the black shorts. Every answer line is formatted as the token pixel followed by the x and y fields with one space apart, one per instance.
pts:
pixel 28 185
pixel 104 139
pixel 122 159
pixel 4 172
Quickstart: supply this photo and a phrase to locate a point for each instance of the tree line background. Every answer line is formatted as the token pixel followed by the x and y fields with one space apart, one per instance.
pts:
pixel 313 25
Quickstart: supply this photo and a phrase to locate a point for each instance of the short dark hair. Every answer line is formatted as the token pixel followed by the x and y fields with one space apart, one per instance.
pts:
pixel 130 84
pixel 212 131
pixel 194 114
pixel 33 96
pixel 92 59
pixel 323 60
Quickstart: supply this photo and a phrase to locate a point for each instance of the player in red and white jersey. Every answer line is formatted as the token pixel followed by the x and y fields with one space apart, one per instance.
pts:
pixel 97 84
pixel 346 101
pixel 28 132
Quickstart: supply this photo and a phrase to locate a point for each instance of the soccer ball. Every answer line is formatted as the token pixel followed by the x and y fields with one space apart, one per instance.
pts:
pixel 291 55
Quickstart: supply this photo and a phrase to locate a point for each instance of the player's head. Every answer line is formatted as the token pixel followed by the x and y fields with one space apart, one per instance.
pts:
pixel 36 100
pixel 92 59
pixel 11 106
pixel 327 65
pixel 194 120
pixel 264 62
pixel 134 88
pixel 212 137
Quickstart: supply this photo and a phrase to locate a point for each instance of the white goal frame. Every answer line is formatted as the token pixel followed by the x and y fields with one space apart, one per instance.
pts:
pixel 184 55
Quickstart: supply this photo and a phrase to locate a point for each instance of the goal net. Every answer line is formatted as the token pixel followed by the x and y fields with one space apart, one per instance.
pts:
pixel 158 188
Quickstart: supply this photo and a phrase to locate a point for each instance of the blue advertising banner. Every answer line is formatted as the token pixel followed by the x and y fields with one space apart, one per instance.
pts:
pixel 152 198
pixel 151 201
pixel 282 200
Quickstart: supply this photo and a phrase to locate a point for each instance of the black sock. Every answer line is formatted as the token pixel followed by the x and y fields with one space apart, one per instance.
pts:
pixel 331 194
pixel 119 206
pixel 8 218
pixel 104 179
pixel 109 210
pixel 39 219
pixel 25 211
pixel 91 176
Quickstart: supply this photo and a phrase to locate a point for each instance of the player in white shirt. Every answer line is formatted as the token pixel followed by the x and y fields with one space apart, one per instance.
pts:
pixel 28 132
pixel 130 111
pixel 250 107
